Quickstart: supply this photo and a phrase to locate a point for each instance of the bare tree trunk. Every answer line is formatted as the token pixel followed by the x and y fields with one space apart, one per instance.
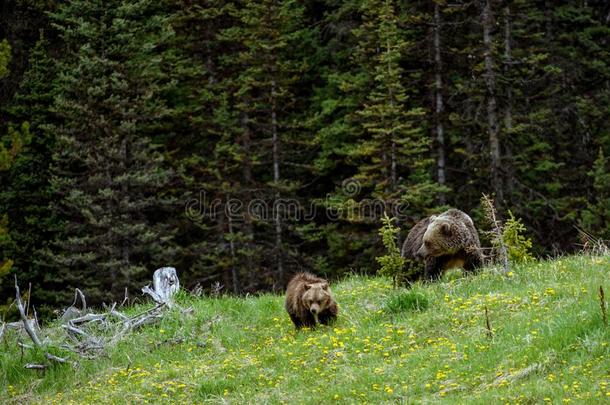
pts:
pixel 276 179
pixel 508 113
pixel 492 119
pixel 234 278
pixel 548 20
pixel 247 196
pixel 123 247
pixel 221 234
pixel 393 165
pixel 438 104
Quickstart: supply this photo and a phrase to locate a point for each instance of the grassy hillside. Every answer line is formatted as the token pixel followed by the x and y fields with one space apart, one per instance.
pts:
pixel 430 344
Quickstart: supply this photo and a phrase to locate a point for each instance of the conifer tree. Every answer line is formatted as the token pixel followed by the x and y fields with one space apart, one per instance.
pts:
pixel 596 217
pixel 108 175
pixel 26 191
pixel 331 103
pixel 10 147
pixel 380 138
pixel 262 92
pixel 392 142
pixel 192 135
pixel 439 105
pixel 5 57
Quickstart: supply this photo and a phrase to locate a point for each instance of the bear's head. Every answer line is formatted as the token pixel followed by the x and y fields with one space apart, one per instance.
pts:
pixel 442 237
pixel 317 297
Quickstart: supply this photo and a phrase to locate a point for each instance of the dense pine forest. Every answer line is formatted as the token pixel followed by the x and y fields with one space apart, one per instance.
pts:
pixel 241 141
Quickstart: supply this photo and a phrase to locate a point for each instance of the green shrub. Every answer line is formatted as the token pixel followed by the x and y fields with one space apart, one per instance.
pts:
pixel 412 300
pixel 517 244
pixel 215 388
pixel 392 263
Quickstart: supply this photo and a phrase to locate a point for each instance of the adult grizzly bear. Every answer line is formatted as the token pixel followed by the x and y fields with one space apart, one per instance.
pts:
pixel 443 242
pixel 309 301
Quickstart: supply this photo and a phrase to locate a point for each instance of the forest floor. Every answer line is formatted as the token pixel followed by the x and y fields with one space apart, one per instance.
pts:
pixel 430 344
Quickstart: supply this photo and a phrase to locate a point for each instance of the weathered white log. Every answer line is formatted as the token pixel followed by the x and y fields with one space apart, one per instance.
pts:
pixel 165 283
pixel 18 325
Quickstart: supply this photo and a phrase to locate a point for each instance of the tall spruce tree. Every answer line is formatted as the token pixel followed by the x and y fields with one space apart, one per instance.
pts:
pixel 108 175
pixel 26 194
pixel 595 219
pixel 260 100
pixel 5 57
pixel 262 94
pixel 5 240
pixel 378 132
pixel 391 154
pixel 191 135
pixel 10 146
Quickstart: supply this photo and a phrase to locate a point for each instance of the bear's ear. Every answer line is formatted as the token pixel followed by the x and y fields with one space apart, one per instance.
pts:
pixel 446 228
pixel 307 286
pixel 325 286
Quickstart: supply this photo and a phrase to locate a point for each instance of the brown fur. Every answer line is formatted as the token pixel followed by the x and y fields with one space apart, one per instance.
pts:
pixel 442 242
pixel 308 298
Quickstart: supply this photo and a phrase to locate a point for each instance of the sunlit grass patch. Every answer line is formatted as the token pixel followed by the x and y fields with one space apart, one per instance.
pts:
pixel 404 301
pixel 428 344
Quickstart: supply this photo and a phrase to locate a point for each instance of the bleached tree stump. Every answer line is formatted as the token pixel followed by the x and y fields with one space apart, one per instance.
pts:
pixel 165 283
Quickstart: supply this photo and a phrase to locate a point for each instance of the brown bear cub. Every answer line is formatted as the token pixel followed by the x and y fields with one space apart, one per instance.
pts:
pixel 309 301
pixel 442 242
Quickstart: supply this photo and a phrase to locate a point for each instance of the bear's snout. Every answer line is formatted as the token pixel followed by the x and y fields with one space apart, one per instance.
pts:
pixel 315 308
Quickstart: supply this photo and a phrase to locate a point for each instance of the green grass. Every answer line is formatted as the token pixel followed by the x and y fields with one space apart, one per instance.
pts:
pixel 429 345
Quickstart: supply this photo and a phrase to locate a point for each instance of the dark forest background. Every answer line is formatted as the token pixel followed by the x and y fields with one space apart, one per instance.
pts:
pixel 119 117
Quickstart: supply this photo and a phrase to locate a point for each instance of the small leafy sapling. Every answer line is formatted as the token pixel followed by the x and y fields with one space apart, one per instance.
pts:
pixel 517 244
pixel 392 263
pixel 499 252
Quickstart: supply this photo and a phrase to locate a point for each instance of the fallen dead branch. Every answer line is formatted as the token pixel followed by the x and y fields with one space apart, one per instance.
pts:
pixel 55 358
pixel 602 304
pixel 168 342
pixel 490 333
pixel 89 334
pixel 27 325
pixel 24 345
pixel 112 311
pixel 29 329
pixel 74 330
pixel 517 375
pixel 32 366
pixel 87 318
